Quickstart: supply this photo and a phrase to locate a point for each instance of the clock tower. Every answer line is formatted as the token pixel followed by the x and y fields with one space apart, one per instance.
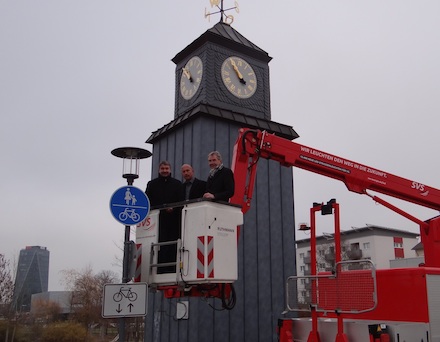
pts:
pixel 222 85
pixel 225 70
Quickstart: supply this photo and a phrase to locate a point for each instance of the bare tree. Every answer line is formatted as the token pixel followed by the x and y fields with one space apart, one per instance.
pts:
pixel 6 294
pixel 6 284
pixel 87 289
pixel 326 255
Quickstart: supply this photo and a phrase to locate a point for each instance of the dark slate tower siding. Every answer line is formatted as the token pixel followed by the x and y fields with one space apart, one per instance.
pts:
pixel 266 251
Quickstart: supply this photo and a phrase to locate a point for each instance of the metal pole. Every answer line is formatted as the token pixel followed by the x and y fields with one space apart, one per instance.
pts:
pixel 125 268
pixel 314 334
pixel 126 261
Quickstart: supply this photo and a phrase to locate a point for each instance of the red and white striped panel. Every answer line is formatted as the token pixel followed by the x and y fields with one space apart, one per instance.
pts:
pixel 138 273
pixel 205 245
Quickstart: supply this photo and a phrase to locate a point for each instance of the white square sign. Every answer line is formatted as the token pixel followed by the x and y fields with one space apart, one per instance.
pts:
pixel 125 300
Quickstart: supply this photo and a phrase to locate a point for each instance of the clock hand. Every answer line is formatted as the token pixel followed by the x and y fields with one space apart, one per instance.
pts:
pixel 187 74
pixel 239 75
pixel 234 66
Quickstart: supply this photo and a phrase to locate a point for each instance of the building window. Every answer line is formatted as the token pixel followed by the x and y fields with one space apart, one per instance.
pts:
pixel 366 245
pixel 399 254
pixel 398 248
pixel 301 255
pixel 302 268
pixel 398 242
pixel 354 246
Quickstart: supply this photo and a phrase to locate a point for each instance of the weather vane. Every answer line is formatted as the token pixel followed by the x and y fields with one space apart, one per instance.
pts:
pixel 226 18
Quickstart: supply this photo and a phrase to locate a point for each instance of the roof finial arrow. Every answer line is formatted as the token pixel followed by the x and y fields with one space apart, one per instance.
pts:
pixel 225 18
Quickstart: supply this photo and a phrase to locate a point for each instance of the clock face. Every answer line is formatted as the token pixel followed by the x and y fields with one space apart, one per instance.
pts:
pixel 191 77
pixel 239 77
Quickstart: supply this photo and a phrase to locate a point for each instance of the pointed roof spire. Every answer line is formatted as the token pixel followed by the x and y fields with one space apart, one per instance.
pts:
pixel 224 35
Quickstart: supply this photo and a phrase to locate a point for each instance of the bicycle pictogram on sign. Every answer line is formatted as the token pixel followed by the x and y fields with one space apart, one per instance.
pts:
pixel 129 213
pixel 125 293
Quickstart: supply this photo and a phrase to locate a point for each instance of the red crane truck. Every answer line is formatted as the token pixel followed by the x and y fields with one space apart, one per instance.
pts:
pixel 352 303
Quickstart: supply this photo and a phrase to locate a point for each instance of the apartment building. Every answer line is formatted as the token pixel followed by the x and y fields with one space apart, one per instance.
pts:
pixel 379 244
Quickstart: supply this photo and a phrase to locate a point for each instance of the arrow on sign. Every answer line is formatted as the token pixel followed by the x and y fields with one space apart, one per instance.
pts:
pixel 130 306
pixel 118 310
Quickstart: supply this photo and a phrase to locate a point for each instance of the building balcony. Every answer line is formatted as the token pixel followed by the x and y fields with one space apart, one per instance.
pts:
pixel 354 254
pixel 355 266
pixel 307 260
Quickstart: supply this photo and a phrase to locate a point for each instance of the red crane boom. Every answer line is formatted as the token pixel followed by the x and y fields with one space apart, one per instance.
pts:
pixel 254 144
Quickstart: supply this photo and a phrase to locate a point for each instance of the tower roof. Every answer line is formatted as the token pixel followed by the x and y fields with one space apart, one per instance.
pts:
pixel 224 35
pixel 244 120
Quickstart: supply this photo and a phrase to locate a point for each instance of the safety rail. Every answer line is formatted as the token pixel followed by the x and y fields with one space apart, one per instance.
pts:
pixel 155 247
pixel 351 288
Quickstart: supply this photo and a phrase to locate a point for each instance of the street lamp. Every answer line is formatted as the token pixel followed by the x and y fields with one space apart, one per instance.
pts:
pixel 130 161
pixel 131 157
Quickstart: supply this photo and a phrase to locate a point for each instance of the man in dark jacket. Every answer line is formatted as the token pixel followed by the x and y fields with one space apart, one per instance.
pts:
pixel 220 184
pixel 192 187
pixel 161 191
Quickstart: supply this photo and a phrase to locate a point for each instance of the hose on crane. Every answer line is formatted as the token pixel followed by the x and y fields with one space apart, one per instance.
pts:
pixel 228 304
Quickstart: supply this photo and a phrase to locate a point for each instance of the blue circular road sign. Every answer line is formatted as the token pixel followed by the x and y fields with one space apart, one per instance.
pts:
pixel 129 205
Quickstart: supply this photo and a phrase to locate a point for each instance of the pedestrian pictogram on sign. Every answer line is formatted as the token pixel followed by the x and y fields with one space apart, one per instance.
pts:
pixel 129 205
pixel 125 300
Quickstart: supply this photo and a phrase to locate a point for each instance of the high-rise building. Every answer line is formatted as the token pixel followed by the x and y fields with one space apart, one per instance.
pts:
pixel 32 276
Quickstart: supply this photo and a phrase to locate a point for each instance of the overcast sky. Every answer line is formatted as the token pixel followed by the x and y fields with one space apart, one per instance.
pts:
pixel 358 79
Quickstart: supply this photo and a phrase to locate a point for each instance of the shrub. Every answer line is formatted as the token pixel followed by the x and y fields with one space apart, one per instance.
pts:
pixel 64 332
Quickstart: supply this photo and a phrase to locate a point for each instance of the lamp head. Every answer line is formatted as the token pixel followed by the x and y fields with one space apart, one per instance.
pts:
pixel 131 157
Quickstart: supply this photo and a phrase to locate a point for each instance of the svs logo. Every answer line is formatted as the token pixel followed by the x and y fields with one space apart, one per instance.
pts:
pixel 145 222
pixel 421 187
pixel 418 186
